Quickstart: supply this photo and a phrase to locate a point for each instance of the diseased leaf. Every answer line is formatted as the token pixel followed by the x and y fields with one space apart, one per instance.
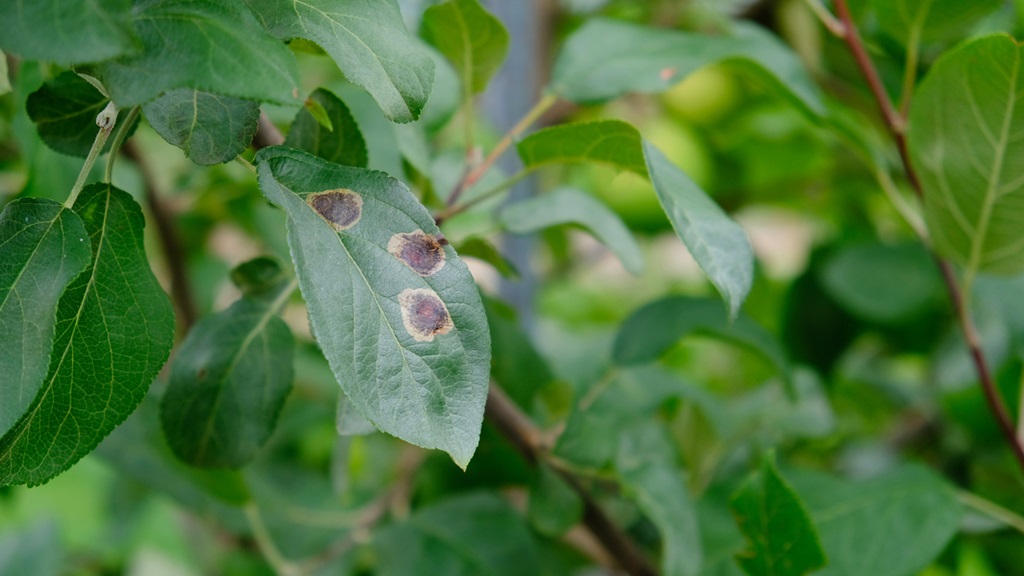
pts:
pixel 58 31
pixel 209 128
pixel 216 47
pixel 368 41
pixel 64 111
pixel 931 19
pixel 43 247
pixel 716 242
pixel 571 206
pixel 394 310
pixel 473 534
pixel 605 59
pixel 964 141
pixel 470 37
pixel 229 380
pixel 781 540
pixel 114 330
pixel 920 511
pixel 611 142
pixel 342 144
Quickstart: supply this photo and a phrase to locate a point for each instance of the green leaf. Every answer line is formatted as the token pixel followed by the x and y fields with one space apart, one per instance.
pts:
pixel 605 59
pixel 5 82
pixel 482 249
pixel 647 333
pixel 261 279
pixel 716 242
pixel 229 381
pixel 115 328
pixel 36 551
pixel 470 37
pixel 216 47
pixel 611 142
pixel 905 518
pixel 64 111
pixel 367 40
pixel 571 206
pixel 342 144
pixel 652 479
pixel 554 507
pixel 43 247
pixel 781 540
pixel 963 142
pixel 66 31
pixel 474 534
pixel 209 128
pixel 395 312
pixel 515 363
pixel 932 19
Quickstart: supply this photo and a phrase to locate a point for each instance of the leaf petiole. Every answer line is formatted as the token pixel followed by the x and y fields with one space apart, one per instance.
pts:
pixel 489 193
pixel 105 120
pixel 248 165
pixel 122 134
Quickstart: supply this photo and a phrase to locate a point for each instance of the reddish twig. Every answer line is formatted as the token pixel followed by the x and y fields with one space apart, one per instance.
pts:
pixel 896 122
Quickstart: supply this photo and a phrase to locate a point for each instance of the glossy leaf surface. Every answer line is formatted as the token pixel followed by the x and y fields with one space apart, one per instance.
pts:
pixel 403 329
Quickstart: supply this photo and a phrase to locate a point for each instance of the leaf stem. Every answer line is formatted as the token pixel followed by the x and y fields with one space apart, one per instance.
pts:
pixel 485 195
pixel 122 134
pixel 991 509
pixel 831 22
pixel 266 545
pixel 896 123
pixel 514 425
pixel 910 65
pixel 248 165
pixel 525 122
pixel 106 121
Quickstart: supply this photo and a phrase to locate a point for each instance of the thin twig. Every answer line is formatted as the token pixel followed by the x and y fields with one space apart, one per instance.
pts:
pixel 170 241
pixel 524 435
pixel 282 565
pixel 992 510
pixel 896 123
pixel 831 23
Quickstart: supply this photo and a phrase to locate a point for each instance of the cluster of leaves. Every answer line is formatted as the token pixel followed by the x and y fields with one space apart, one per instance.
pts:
pixel 241 426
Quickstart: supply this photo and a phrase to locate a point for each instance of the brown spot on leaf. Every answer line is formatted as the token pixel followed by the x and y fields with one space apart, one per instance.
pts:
pixel 420 251
pixel 342 208
pixel 424 314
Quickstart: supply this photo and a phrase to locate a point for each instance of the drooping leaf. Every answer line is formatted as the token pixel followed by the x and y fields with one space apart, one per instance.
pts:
pixel 554 507
pixel 605 59
pixel 43 246
pixel 394 310
pixel 217 47
pixel 230 377
pixel 64 111
pixel 920 512
pixel 342 144
pixel 930 19
pixel 611 142
pixel 482 249
pixel 470 37
pixel 963 142
pixel 473 534
pixel 716 242
pixel 368 41
pixel 781 540
pixel 36 551
pixel 651 478
pixel 209 128
pixel 66 32
pixel 647 333
pixel 571 206
pixel 114 330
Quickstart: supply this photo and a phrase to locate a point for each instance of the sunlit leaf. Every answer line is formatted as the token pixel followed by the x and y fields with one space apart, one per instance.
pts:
pixel 605 59
pixel 217 47
pixel 342 144
pixel 781 540
pixel 571 206
pixel 209 128
pixel 470 37
pixel 964 141
pixel 369 43
pixel 43 246
pixel 115 328
pixel 394 310
pixel 58 31
pixel 610 142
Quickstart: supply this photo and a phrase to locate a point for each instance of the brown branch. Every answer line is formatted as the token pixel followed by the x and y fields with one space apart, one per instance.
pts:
pixel 170 241
pixel 267 134
pixel 524 435
pixel 896 123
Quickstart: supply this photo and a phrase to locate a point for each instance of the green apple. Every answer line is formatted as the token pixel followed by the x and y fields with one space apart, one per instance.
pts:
pixel 704 97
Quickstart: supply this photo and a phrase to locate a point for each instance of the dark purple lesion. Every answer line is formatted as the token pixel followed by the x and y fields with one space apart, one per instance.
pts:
pixel 341 208
pixel 420 251
pixel 424 314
